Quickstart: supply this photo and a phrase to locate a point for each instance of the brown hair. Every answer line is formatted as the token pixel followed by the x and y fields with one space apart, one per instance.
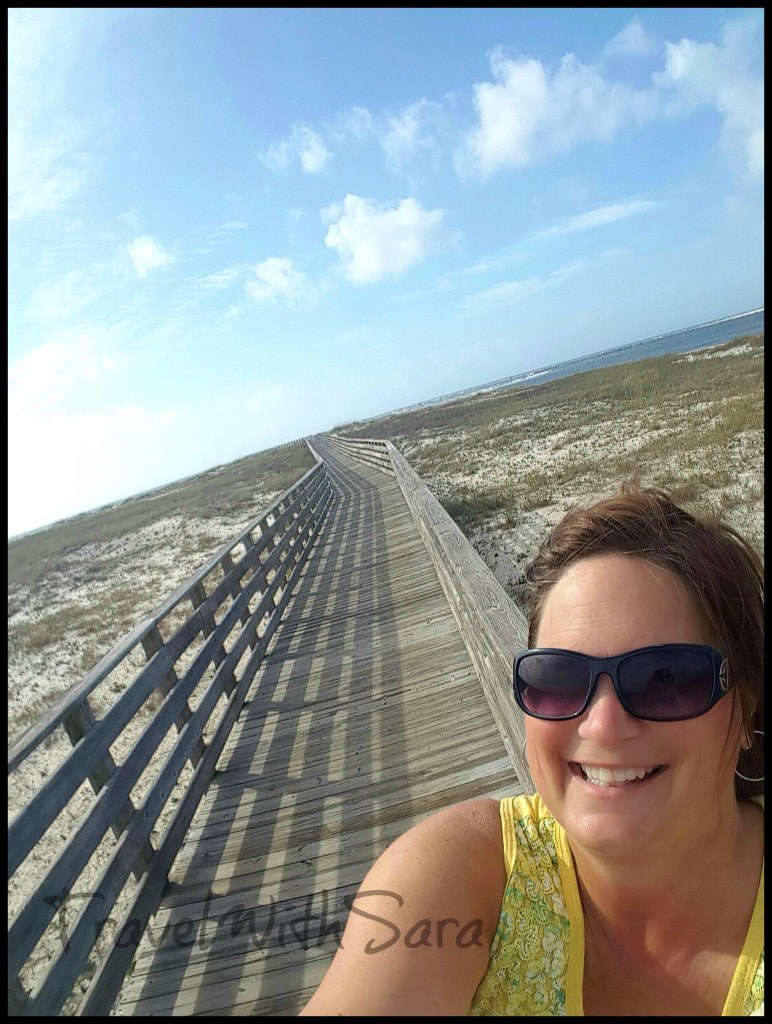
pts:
pixel 719 568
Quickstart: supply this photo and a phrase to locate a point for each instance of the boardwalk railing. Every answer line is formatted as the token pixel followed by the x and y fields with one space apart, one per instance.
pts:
pixel 122 797
pixel 146 787
pixel 492 625
pixel 373 452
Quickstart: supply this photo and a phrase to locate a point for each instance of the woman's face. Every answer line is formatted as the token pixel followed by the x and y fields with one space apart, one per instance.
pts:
pixel 605 605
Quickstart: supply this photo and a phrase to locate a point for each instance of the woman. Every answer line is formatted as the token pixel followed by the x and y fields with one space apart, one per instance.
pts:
pixel 631 883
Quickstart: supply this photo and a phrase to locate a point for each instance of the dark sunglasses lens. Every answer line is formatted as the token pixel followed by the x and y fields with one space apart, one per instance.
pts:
pixel 667 685
pixel 552 685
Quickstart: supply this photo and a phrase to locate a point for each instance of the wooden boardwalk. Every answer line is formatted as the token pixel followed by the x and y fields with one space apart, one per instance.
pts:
pixel 365 716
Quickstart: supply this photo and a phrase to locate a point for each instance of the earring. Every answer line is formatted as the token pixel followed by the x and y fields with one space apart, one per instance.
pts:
pixel 522 749
pixel 740 774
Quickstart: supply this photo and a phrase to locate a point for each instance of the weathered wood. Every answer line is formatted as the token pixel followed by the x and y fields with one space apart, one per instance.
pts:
pixel 368 450
pixel 111 971
pixel 77 725
pixel 27 828
pixel 107 981
pixel 37 912
pixel 492 625
pixel 56 715
pixel 153 642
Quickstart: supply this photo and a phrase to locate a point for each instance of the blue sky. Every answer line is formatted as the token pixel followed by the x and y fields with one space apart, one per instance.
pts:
pixel 232 228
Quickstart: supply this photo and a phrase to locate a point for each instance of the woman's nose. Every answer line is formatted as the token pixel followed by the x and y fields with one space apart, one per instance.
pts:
pixel 605 718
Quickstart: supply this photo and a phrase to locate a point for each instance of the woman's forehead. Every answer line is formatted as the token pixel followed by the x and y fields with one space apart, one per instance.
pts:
pixel 617 596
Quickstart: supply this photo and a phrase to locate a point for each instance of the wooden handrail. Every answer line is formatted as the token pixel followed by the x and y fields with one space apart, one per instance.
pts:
pixel 221 641
pixel 368 450
pixel 492 625
pixel 56 715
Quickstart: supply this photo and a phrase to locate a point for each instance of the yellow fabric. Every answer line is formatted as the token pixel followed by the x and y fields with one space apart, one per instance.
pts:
pixel 536 965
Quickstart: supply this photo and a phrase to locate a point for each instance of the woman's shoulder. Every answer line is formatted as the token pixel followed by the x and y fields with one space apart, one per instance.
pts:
pixel 451 865
pixel 477 819
pixel 456 840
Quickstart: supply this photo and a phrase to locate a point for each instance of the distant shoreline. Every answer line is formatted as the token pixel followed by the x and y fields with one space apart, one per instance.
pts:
pixel 602 356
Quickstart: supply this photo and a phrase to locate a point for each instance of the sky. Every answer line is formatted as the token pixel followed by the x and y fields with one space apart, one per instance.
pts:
pixel 229 229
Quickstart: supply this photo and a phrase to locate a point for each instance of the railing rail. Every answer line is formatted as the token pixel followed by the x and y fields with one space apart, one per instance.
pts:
pixel 492 625
pixel 195 679
pixel 369 450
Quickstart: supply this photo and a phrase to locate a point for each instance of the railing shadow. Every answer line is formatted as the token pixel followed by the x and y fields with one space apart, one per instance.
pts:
pixel 257 899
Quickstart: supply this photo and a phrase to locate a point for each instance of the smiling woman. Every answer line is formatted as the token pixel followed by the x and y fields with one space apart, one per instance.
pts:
pixel 598 894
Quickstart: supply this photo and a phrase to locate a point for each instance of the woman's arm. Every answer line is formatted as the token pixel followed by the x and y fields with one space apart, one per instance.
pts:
pixel 421 924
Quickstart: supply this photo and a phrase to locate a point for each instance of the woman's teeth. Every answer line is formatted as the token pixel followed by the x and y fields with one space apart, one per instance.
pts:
pixel 614 776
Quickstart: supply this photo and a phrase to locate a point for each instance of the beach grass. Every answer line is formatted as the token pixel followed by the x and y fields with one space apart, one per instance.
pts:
pixel 692 425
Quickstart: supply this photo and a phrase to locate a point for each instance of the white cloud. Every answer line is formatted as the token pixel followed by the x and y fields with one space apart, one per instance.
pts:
pixel 47 158
pixel 718 75
pixel 279 278
pixel 754 152
pixel 63 461
pixel 527 114
pixel 49 373
pixel 359 123
pixel 373 242
pixel 601 215
pixel 505 292
pixel 508 292
pixel 304 145
pixel 63 298
pixel 313 152
pixel 411 135
pixel 220 280
pixel 43 172
pixel 632 40
pixel 146 254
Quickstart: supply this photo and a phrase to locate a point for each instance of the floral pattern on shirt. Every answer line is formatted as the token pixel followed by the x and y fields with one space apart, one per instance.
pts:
pixel 529 952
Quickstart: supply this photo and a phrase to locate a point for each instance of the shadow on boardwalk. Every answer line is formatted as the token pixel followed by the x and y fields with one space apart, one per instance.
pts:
pixel 365 716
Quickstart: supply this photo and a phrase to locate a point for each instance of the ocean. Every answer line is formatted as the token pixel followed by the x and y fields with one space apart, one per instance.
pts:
pixel 688 339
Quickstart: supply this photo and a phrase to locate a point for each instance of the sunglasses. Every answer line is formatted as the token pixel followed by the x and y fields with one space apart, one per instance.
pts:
pixel 665 683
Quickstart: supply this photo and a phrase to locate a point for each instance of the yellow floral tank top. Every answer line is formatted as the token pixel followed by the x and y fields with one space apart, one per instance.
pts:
pixel 536 963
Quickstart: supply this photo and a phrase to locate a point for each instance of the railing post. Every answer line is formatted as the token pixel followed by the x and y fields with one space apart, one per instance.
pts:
pixel 152 642
pixel 77 725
